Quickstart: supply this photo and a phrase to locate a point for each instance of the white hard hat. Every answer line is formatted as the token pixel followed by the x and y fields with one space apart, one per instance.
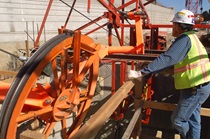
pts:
pixel 185 17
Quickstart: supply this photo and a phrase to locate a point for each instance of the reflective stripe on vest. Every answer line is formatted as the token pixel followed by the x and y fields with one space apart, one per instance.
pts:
pixel 191 66
pixel 204 72
pixel 195 65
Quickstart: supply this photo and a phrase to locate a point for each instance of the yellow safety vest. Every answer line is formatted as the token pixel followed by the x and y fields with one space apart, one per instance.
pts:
pixel 195 68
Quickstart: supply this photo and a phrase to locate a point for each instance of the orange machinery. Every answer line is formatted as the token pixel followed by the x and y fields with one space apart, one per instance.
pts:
pixel 72 57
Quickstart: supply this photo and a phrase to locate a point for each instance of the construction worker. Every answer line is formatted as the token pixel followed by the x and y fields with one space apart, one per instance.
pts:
pixel 191 65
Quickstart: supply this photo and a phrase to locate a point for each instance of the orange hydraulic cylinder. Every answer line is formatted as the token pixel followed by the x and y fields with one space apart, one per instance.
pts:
pixel 125 49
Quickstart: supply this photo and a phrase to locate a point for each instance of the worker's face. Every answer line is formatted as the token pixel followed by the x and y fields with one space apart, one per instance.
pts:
pixel 175 30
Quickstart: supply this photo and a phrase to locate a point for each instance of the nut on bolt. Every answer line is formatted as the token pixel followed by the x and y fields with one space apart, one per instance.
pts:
pixel 47 101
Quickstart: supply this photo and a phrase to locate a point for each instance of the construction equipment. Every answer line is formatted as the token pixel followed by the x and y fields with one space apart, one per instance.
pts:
pixel 32 107
pixel 193 5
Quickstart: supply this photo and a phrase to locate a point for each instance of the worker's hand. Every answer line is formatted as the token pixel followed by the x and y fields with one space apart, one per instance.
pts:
pixel 134 74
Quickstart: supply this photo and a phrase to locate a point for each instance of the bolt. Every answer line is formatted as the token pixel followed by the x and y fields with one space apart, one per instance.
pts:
pixel 69 109
pixel 68 102
pixel 47 101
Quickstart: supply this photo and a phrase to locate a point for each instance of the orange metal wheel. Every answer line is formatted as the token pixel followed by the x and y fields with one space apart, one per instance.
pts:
pixel 51 88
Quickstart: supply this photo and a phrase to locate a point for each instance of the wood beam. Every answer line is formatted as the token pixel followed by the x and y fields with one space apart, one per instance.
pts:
pixel 170 107
pixel 90 129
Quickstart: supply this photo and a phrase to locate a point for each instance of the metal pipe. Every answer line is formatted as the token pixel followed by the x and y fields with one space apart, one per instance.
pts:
pixel 125 49
pixel 113 77
pixel 9 53
pixel 43 23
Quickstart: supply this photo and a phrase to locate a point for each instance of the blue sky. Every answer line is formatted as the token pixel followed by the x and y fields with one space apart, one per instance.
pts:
pixel 180 4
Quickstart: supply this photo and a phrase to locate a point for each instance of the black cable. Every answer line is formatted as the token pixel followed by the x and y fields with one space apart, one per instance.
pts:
pixel 9 53
pixel 80 13
pixel 89 18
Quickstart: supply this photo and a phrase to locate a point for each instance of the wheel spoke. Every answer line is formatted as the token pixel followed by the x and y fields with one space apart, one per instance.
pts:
pixel 63 69
pixel 63 122
pixel 55 77
pixel 48 129
pixel 33 114
pixel 76 58
pixel 86 67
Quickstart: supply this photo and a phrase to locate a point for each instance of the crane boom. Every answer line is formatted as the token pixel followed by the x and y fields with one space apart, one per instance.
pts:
pixel 193 5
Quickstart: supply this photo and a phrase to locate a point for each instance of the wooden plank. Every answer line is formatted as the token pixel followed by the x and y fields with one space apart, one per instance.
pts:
pixel 9 80
pixel 159 105
pixel 28 134
pixel 137 103
pixel 132 125
pixel 171 107
pixel 8 73
pixel 149 137
pixel 205 112
pixel 90 129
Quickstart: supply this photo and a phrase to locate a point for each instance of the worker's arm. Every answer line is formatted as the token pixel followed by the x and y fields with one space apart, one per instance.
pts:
pixel 176 53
